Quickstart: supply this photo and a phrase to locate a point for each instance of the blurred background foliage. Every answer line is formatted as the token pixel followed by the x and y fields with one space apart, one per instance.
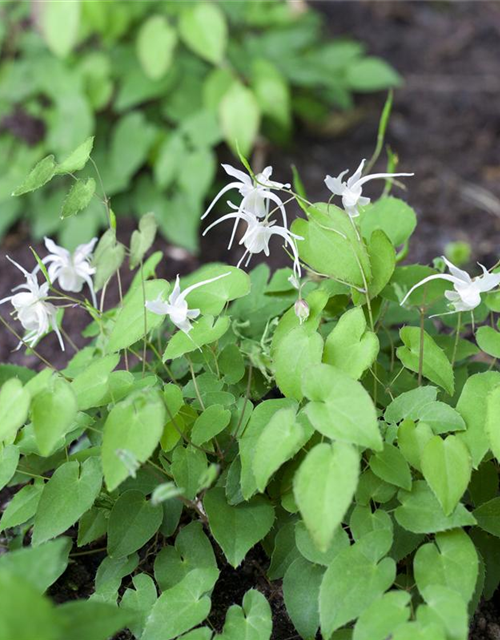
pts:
pixel 166 88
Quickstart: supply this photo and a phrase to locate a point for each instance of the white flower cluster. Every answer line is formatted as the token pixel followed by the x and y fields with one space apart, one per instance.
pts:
pixel 32 307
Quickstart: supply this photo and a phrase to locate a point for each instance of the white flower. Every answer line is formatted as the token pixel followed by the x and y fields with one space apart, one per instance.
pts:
pixel 302 310
pixel 71 270
pixel 176 307
pixel 351 191
pixel 256 194
pixel 258 234
pixel 32 309
pixel 466 293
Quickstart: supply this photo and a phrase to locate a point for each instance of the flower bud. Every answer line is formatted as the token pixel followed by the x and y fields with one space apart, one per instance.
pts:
pixel 302 310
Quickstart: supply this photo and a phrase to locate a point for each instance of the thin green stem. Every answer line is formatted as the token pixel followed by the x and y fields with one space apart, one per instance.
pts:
pixel 457 338
pixel 196 388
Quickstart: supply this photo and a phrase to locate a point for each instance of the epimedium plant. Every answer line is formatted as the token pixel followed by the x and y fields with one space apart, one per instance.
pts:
pixel 163 85
pixel 317 418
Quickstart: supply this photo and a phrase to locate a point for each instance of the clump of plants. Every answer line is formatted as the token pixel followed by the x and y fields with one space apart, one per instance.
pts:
pixel 337 419
pixel 162 85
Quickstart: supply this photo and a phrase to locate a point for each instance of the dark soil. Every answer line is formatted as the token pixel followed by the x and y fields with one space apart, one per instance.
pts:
pixel 445 127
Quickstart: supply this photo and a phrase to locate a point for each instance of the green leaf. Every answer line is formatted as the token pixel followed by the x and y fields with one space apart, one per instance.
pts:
pixel 310 551
pixel 18 599
pixel 77 160
pixel 91 385
pixel 284 550
pixel 382 261
pixel 193 550
pixel 108 257
pixel 452 562
pixel 440 417
pixel 142 239
pixel 390 465
pixel 22 507
pixel 240 118
pixel 84 619
pixel 447 467
pixel 139 600
pixel 53 413
pixel 294 354
pixel 272 92
pixel 203 29
pixel 9 458
pixel 340 408
pixel 383 617
pixel 14 406
pixel 350 346
pixel 326 471
pixel 60 23
pixel 69 493
pixel 492 425
pixel 410 404
pixel 330 245
pixel 281 439
pixel 488 341
pixel 301 593
pixel 367 74
pixel 205 331
pixel 445 608
pixel 213 297
pixel 472 406
pixel 210 423
pixel 38 176
pixel 134 425
pixel 133 319
pixel 109 577
pixel 182 607
pixel 79 197
pixel 40 566
pixel 155 46
pixel 363 521
pixel 488 516
pixel 436 366
pixel 133 521
pixel 393 216
pixel 412 440
pixel 420 512
pixel 188 467
pixel 355 579
pixel 237 529
pixel 251 621
pixel 131 139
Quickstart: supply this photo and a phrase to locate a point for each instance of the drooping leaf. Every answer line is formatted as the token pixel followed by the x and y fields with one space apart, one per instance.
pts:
pixel 142 239
pixel 79 197
pixel 301 593
pixel 53 413
pixel 14 405
pixel 155 45
pixel 240 118
pixel 204 30
pixel 77 159
pixel 22 507
pixel 295 353
pixel 60 22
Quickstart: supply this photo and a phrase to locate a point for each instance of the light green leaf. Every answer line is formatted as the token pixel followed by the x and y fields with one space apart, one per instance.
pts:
pixel 237 529
pixel 40 566
pixel 350 346
pixel 53 413
pixel 412 440
pixel 488 516
pixel 22 507
pixel 383 617
pixel 410 404
pixel 69 493
pixel 188 466
pixel 330 245
pixel 445 607
pixel 393 216
pixel 284 551
pixel 60 23
pixel 355 579
pixel 131 139
pixel 301 593
pixel 440 417
pixel 204 331
pixel 155 46
pixel 447 467
pixel 133 319
pixel 79 196
pixel 203 29
pixel 182 607
pixel 371 74
pixel 472 406
pixel 420 512
pixel 108 257
pixel 14 406
pixel 78 159
pixel 91 385
pixel 436 366
pixel 363 521
pixel 136 426
pixel 142 239
pixel 488 341
pixel 132 522
pixel 38 176
pixel 294 354
pixel 272 92
pixel 310 551
pixel 212 298
pixel 240 118
pixel 210 423
pixel 340 408
pixel 324 486
pixel 492 423
pixel 282 438
pixel 452 562
pixel 9 458
pixel 85 619
pixel 193 550
pixel 390 465
pixel 139 600
pixel 251 621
